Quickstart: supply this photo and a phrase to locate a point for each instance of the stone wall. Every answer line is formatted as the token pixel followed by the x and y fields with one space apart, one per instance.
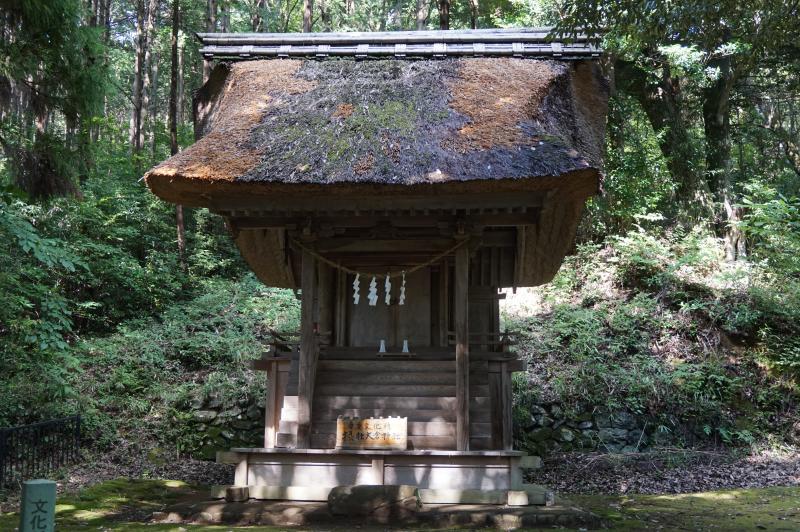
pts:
pixel 544 428
pixel 220 423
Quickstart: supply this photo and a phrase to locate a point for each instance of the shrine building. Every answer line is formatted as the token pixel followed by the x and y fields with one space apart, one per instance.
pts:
pixel 399 181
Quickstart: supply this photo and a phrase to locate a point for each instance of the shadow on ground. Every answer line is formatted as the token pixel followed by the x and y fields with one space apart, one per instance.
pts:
pixel 125 504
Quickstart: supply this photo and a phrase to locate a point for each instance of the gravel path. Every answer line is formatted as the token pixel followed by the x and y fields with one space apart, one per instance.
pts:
pixel 667 472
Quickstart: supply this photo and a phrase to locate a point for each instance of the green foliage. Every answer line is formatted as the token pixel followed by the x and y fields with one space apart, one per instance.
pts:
pixel 662 326
pixel 149 371
pixel 773 220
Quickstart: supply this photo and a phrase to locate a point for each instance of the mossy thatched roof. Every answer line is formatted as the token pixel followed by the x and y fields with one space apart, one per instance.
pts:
pixel 290 122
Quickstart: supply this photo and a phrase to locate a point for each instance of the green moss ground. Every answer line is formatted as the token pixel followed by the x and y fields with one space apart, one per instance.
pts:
pixel 123 504
pixel 744 509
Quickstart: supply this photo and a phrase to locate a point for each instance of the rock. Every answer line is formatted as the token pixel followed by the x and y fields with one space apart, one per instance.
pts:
pixel 583 425
pixel 213 401
pixel 237 493
pixel 636 437
pixel 623 420
pixel 558 423
pixel 629 449
pixel 612 447
pixel 204 415
pixel 538 410
pixel 241 424
pixel 557 412
pixel 602 421
pixel 196 402
pixel 546 421
pixel 232 412
pixel 613 435
pixel 661 438
pixel 540 435
pixel 253 412
pixel 565 435
pixel 381 502
pixel 228 435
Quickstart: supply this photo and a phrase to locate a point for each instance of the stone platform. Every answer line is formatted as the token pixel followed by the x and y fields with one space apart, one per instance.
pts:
pixel 443 477
pixel 305 514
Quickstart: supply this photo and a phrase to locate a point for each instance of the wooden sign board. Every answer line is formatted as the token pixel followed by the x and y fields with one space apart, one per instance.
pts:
pixel 387 433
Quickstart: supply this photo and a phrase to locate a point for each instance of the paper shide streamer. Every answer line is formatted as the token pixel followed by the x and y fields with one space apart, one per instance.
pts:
pixel 356 289
pixel 373 293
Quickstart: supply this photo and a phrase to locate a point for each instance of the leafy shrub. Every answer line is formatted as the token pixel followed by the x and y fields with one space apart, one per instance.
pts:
pixel 660 325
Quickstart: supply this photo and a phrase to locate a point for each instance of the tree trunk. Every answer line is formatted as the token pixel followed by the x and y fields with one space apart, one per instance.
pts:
pixel 444 14
pixel 473 14
pixel 325 15
pixel 308 11
pixel 662 102
pixel 423 11
pixel 180 105
pixel 256 20
pixel 153 105
pixel 211 26
pixel 149 43
pixel 716 124
pixel 136 93
pixel 174 76
pixel 225 17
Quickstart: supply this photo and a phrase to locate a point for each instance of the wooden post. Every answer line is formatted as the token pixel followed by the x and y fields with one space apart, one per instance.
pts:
pixel 461 311
pixel 272 413
pixel 507 405
pixel 444 310
pixel 325 298
pixel 308 351
pixel 277 379
pixel 340 315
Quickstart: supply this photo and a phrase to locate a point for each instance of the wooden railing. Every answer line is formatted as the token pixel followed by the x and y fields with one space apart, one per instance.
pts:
pixel 30 451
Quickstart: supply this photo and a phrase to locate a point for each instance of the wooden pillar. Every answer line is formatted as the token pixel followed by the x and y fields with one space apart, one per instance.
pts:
pixel 340 315
pixel 277 380
pixel 325 299
pixel 461 311
pixel 308 351
pixel 507 406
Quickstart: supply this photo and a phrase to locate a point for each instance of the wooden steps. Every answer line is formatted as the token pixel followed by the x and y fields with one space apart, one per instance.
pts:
pixel 424 391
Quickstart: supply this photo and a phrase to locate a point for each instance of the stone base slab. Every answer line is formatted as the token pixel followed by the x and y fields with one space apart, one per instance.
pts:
pixel 276 513
pixel 529 495
pixel 326 468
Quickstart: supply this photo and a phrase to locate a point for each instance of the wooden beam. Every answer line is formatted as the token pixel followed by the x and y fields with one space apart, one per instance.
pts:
pixel 308 351
pixel 461 311
pixel 347 219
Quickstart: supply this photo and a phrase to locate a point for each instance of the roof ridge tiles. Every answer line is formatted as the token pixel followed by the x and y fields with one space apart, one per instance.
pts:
pixel 516 42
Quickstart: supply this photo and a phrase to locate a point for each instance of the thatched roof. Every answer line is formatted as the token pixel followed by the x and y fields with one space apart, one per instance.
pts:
pixel 387 122
pixel 473 118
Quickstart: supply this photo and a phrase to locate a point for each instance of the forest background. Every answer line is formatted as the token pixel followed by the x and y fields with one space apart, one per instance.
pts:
pixel 680 303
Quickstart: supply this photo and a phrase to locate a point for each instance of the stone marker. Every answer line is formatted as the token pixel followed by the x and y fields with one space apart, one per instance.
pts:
pixel 237 493
pixel 38 508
